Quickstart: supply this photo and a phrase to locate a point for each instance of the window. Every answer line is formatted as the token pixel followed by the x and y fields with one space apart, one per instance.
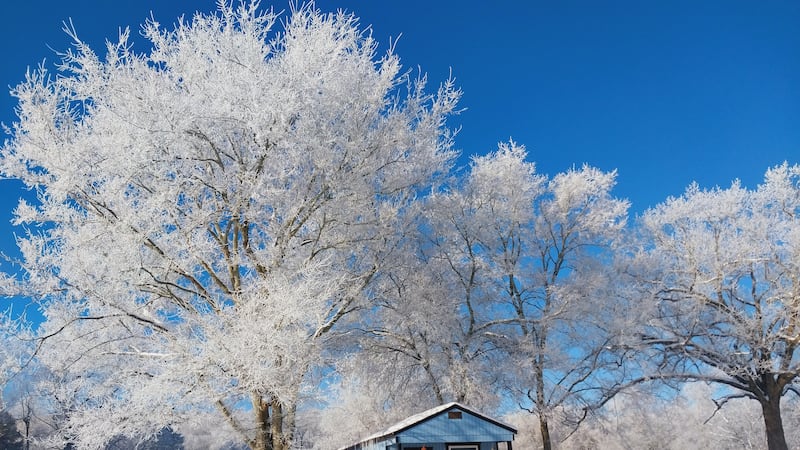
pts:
pixel 454 414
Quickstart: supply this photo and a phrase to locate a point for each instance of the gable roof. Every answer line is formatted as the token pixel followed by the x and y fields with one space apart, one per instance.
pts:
pixel 416 419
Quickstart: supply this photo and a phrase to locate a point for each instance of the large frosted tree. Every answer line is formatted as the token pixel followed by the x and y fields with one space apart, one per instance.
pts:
pixel 549 243
pixel 208 211
pixel 718 276
pixel 510 288
pixel 502 287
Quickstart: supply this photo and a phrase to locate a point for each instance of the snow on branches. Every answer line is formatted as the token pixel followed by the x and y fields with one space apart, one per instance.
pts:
pixel 210 209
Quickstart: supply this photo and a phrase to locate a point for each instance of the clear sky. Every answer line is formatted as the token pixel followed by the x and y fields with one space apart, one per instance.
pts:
pixel 666 92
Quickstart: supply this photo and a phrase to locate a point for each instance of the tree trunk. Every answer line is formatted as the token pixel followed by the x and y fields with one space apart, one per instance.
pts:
pixel 771 408
pixel 289 419
pixel 271 432
pixel 541 405
pixel 437 392
pixel 27 422
pixel 262 439
pixel 541 401
pixel 276 427
pixel 545 429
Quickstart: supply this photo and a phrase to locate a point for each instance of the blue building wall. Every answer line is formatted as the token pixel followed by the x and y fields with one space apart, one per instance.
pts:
pixel 467 429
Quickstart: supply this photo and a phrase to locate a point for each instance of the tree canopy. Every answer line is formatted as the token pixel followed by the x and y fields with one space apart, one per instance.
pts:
pixel 207 211
pixel 257 227
pixel 718 270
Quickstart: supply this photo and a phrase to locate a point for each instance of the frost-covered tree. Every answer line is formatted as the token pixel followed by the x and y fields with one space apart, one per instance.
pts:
pixel 208 211
pixel 648 416
pixel 426 342
pixel 501 286
pixel 425 331
pixel 509 288
pixel 660 419
pixel 547 242
pixel 417 348
pixel 719 290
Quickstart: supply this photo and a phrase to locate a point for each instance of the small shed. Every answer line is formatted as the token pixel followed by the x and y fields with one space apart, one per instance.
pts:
pixel 447 427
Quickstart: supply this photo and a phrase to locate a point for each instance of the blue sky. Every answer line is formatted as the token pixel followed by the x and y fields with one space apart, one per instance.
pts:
pixel 666 92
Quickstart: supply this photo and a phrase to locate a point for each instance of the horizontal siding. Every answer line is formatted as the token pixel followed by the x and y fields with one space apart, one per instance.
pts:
pixel 469 428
